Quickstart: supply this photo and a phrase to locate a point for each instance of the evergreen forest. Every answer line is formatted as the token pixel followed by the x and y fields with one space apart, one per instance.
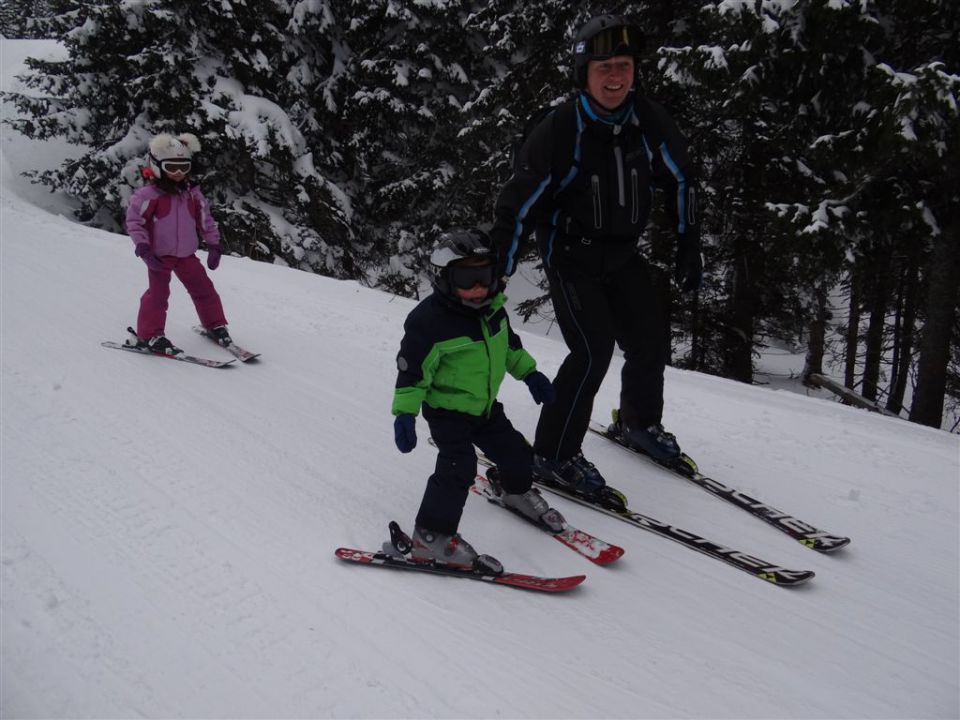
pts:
pixel 340 137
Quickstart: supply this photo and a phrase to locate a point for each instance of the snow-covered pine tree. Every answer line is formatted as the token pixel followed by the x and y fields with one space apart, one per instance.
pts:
pixel 528 50
pixel 767 88
pixel 828 65
pixel 880 124
pixel 138 68
pixel 408 68
pixel 25 18
pixel 918 120
pixel 734 112
pixel 804 115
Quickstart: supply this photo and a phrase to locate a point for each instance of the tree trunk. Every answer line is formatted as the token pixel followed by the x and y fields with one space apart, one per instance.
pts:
pixel 879 300
pixel 853 331
pixel 697 353
pixel 818 332
pixel 738 343
pixel 943 273
pixel 904 349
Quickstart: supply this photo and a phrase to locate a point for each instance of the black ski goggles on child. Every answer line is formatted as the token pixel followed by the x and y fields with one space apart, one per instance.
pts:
pixel 466 277
pixel 622 40
pixel 176 165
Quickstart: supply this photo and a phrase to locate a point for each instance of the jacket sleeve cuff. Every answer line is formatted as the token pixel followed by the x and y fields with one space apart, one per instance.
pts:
pixel 407 401
pixel 521 364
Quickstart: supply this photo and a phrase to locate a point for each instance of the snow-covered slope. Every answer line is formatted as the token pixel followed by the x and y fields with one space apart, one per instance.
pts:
pixel 168 530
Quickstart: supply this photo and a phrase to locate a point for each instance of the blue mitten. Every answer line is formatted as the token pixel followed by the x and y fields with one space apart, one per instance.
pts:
pixel 541 389
pixel 405 433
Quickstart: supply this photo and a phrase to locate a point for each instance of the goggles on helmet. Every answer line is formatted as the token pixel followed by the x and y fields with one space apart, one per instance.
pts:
pixel 621 40
pixel 465 277
pixel 175 165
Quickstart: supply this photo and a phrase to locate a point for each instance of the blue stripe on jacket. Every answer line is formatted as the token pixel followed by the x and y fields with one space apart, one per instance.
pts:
pixel 681 187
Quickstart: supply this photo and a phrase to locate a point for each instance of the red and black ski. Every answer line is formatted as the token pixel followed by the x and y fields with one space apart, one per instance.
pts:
pixel 594 549
pixel 399 562
pixel 396 554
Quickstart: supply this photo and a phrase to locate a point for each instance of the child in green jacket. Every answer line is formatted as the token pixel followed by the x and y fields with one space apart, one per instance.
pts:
pixel 456 350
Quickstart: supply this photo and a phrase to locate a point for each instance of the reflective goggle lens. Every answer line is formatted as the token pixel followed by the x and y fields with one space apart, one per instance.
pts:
pixel 468 276
pixel 172 166
pixel 624 40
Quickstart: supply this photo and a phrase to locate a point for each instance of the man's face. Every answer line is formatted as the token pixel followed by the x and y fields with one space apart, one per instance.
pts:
pixel 609 81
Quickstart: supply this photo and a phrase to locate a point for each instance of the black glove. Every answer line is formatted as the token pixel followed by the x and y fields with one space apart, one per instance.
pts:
pixel 688 271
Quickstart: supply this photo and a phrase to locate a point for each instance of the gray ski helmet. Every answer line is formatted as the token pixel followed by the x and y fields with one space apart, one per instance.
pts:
pixel 601 38
pixel 451 249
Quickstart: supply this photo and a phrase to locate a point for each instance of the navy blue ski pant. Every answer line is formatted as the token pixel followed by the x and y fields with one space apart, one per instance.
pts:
pixel 455 434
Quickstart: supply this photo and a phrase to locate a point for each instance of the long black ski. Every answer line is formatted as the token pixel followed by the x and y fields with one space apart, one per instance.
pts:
pixel 684 466
pixel 234 349
pixel 398 558
pixel 742 561
pixel 182 357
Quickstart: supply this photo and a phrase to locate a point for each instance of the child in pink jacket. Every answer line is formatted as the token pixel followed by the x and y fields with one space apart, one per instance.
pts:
pixel 166 219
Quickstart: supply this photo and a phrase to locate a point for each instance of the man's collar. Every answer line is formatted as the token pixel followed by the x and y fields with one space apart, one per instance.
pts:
pixel 617 116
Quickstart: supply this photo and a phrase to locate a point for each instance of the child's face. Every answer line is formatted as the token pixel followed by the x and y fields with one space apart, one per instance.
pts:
pixel 480 276
pixel 175 170
pixel 475 294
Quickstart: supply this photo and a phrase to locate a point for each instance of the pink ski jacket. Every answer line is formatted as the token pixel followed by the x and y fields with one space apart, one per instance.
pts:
pixel 171 223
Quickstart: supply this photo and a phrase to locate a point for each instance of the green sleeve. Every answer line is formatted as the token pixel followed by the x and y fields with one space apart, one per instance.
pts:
pixel 520 363
pixel 416 363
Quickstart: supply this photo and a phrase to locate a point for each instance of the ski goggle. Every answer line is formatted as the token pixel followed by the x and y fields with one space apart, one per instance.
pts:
pixel 622 40
pixel 465 277
pixel 174 166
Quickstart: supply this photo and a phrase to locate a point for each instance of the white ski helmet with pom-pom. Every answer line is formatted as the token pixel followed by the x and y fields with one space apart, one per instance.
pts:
pixel 166 148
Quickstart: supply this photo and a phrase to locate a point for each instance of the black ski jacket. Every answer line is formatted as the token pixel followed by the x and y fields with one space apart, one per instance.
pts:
pixel 585 185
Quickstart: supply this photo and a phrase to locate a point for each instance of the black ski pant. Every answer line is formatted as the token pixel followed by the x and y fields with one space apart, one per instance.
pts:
pixel 625 306
pixel 455 435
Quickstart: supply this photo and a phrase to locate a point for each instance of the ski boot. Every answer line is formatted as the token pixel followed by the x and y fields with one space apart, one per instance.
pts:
pixel 530 504
pixel 221 335
pixel 652 440
pixel 580 477
pixel 158 345
pixel 428 546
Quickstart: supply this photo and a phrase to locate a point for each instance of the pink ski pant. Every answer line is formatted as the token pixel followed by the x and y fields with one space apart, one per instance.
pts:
pixel 152 317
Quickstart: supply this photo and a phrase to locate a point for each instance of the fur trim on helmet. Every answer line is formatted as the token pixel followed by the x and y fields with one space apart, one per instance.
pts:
pixel 190 140
pixel 168 147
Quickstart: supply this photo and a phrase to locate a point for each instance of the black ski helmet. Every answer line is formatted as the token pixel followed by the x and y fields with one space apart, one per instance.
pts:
pixel 603 37
pixel 447 261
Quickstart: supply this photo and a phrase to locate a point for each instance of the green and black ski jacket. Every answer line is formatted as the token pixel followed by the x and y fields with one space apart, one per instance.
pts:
pixel 454 358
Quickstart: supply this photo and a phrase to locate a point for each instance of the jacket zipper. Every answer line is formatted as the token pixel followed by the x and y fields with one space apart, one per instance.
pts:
pixel 621 194
pixel 597 210
pixel 485 332
pixel 634 196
